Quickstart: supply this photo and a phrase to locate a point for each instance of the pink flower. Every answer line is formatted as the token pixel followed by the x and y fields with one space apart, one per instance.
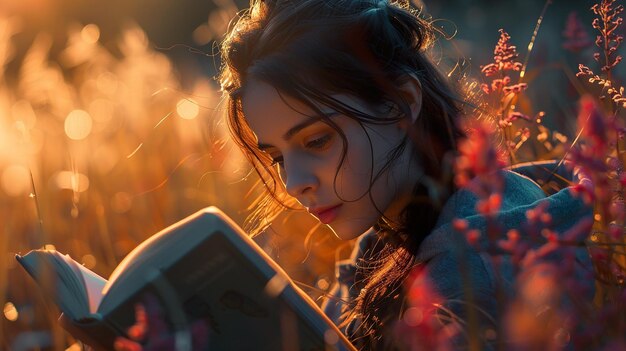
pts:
pixel 515 246
pixel 617 210
pixel 420 327
pixel 516 88
pixel 579 232
pixel 576 38
pixel 607 23
pixel 460 225
pixel 489 206
pixel 477 155
pixel 472 236
pixel 592 122
pixel 504 57
pixel 150 332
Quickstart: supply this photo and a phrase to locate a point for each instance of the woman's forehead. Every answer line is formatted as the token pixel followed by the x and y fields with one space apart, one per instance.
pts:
pixel 273 117
pixel 264 102
pixel 264 107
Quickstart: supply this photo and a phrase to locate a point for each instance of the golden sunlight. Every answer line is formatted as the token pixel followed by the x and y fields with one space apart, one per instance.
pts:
pixel 121 202
pixel 71 180
pixel 23 111
pixel 187 108
pixel 101 110
pixel 15 180
pixel 78 124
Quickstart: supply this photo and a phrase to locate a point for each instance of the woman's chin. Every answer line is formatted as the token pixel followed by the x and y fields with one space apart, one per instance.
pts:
pixel 345 230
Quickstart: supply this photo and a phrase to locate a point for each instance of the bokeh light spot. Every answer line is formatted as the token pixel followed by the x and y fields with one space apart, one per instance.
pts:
pixel 10 312
pixel 107 83
pixel 78 125
pixel 413 316
pixel 16 180
pixel 121 202
pixel 104 159
pixel 74 181
pixel 90 33
pixel 331 337
pixel 89 261
pixel 323 284
pixel 23 112
pixel 187 109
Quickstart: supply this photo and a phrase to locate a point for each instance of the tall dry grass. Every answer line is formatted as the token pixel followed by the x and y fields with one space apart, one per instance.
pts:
pixel 99 149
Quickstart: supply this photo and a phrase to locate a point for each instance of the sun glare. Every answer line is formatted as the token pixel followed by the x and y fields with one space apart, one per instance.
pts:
pixel 187 109
pixel 78 125
pixel 15 180
pixel 72 180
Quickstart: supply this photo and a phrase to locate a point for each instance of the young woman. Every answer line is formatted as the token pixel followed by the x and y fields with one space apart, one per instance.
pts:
pixel 336 103
pixel 338 106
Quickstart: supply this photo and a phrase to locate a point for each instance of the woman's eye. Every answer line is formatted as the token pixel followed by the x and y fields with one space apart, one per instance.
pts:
pixel 318 143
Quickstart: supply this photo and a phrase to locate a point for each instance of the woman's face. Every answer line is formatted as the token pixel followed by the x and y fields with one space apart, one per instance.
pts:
pixel 308 152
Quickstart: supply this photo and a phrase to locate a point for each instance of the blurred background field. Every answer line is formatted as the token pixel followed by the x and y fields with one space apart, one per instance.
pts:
pixel 111 129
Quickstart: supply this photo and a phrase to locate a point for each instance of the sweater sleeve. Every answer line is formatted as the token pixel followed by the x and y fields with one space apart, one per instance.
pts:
pixel 466 287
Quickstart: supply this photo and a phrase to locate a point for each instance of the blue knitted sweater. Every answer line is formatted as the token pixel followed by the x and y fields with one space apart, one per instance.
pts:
pixel 446 253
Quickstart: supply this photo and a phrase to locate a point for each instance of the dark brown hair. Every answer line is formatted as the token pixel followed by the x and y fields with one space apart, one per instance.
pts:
pixel 312 49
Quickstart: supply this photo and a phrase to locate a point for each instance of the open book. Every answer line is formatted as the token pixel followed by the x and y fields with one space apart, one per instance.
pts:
pixel 201 268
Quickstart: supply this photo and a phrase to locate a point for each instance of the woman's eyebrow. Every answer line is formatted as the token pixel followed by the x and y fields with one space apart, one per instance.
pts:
pixel 298 127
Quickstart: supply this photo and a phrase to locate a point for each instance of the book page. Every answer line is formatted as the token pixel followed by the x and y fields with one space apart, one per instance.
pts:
pixel 93 283
pixel 56 275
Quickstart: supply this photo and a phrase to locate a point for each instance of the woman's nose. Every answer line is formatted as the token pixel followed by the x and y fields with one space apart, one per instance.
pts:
pixel 299 179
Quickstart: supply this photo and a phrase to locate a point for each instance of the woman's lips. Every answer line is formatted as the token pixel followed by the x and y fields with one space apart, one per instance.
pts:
pixel 327 215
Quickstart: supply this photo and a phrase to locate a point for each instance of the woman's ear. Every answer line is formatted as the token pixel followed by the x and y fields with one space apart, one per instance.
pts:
pixel 411 90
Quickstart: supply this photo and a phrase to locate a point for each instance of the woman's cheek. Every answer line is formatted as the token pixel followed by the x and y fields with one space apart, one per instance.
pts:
pixel 355 173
